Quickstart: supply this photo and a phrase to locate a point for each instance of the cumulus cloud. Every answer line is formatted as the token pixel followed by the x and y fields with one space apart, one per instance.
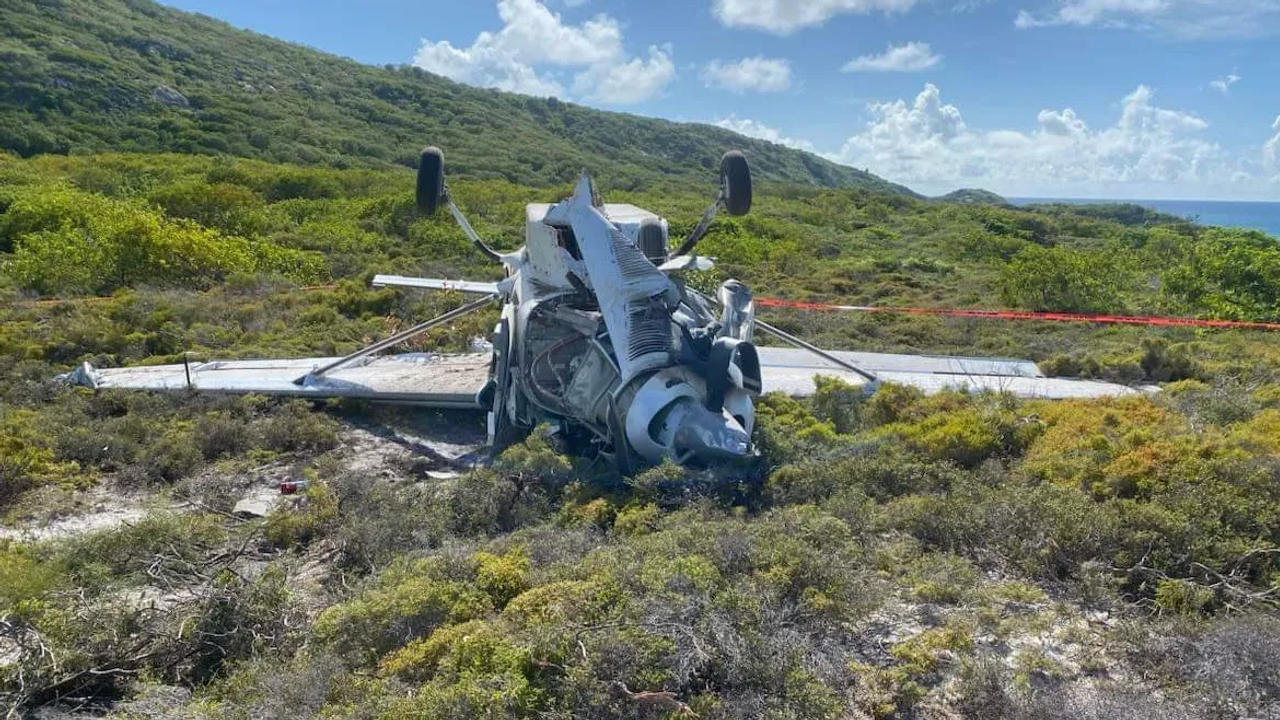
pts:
pixel 754 73
pixel 1181 18
pixel 1223 84
pixel 532 39
pixel 1271 151
pixel 911 57
pixel 752 128
pixel 926 143
pixel 627 82
pixel 786 16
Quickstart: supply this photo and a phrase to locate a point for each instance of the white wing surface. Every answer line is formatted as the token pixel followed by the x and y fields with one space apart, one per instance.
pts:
pixel 446 381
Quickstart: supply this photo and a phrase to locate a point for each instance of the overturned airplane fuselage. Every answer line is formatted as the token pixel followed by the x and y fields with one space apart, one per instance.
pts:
pixel 595 333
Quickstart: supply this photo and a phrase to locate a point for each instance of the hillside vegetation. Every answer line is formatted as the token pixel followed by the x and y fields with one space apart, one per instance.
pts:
pixel 130 75
pixel 893 556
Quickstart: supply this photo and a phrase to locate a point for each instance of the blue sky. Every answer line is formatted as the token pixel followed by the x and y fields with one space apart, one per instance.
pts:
pixel 1065 98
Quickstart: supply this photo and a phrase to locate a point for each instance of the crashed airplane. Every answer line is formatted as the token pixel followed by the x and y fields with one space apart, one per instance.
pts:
pixel 600 337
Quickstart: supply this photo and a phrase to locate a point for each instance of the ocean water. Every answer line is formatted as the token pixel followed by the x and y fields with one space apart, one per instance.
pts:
pixel 1264 216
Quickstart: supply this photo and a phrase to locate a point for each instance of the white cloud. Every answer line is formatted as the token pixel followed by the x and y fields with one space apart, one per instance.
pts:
pixel 926 144
pixel 754 73
pixel 787 16
pixel 534 37
pixel 627 82
pixel 1223 84
pixel 911 57
pixel 752 128
pixel 1181 18
pixel 1064 124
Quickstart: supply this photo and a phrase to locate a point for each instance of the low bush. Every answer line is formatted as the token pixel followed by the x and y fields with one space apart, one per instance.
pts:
pixel 118 244
pixel 294 427
pixel 308 516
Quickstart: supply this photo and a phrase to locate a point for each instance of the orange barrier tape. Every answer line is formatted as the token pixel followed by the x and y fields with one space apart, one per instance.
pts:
pixel 1025 315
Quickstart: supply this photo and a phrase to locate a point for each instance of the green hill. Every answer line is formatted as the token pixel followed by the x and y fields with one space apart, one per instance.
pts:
pixel 973 196
pixel 85 76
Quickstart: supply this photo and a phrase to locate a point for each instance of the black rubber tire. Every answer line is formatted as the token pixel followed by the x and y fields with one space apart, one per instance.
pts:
pixel 735 178
pixel 430 180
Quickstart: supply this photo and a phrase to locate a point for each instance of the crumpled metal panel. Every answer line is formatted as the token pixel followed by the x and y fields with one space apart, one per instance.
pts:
pixel 626 284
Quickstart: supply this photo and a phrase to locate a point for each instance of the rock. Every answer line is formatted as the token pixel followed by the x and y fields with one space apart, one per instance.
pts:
pixel 259 502
pixel 166 95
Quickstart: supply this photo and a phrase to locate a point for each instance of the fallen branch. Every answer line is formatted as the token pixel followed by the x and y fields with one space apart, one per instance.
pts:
pixel 664 699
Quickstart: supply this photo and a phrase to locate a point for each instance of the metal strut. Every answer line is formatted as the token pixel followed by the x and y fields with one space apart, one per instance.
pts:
pixel 788 337
pixel 701 228
pixel 398 337
pixel 469 231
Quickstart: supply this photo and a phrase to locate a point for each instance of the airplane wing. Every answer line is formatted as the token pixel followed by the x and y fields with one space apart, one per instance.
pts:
pixel 791 371
pixel 425 379
pixel 459 380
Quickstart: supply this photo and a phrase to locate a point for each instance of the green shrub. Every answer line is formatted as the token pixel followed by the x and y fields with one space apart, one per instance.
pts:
pixel 160 547
pixel 220 435
pixel 966 436
pixel 405 601
pixel 884 474
pixel 596 513
pixel 305 518
pixel 172 458
pixel 25 459
pixel 891 403
pixel 229 209
pixel 1182 597
pixel 294 426
pixel 1063 279
pixel 637 519
pixel 502 577
pixel 838 402
pixel 242 619
pixel 116 244
pixel 25 580
pixel 472 647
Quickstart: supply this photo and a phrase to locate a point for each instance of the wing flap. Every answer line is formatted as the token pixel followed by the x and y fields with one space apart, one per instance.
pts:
pixel 427 379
